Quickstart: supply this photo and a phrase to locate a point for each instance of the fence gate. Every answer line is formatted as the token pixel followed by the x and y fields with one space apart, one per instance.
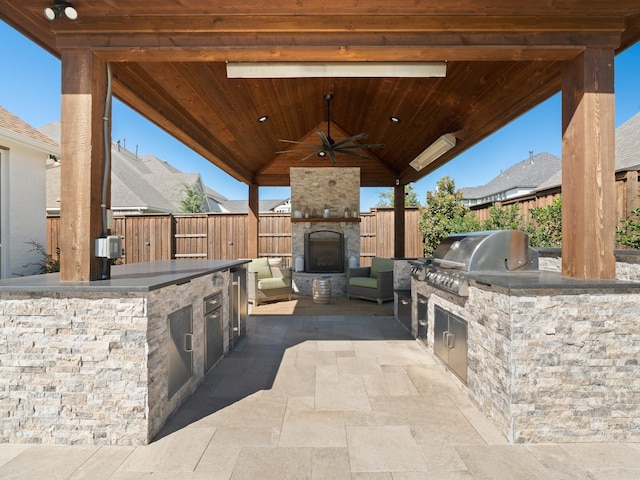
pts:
pixel 191 236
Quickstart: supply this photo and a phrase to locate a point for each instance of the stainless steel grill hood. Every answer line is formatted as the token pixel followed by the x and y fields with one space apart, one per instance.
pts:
pixel 494 250
pixel 460 255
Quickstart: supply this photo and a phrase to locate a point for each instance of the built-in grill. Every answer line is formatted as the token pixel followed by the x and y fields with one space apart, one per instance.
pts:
pixel 460 255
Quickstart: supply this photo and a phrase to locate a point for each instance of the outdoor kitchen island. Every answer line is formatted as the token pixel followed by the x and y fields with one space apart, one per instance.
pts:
pixel 107 362
pixel 548 358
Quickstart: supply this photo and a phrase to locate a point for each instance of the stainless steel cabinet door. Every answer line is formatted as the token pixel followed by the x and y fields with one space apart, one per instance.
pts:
pixel 440 328
pixel 180 348
pixel 214 346
pixel 457 340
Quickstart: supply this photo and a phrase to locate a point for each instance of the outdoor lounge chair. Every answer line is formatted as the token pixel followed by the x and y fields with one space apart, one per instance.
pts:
pixel 372 283
pixel 267 280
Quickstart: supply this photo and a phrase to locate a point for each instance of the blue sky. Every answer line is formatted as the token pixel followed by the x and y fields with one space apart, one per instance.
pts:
pixel 30 89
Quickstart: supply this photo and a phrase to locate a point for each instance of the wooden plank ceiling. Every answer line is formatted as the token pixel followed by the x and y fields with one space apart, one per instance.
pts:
pixel 169 63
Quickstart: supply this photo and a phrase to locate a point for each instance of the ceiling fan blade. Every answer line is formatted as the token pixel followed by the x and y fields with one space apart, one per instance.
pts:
pixel 351 139
pixel 355 154
pixel 326 144
pixel 315 147
pixel 333 156
pixel 308 156
pixel 363 145
pixel 299 143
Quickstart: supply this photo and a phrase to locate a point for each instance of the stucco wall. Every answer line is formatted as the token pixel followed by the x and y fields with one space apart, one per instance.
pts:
pixel 23 208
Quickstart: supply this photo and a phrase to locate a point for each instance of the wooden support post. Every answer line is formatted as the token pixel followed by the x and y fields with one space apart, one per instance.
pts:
pixel 398 221
pixel 588 166
pixel 253 222
pixel 84 82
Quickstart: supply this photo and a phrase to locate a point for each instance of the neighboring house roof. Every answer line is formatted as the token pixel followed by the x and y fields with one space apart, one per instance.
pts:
pixel 140 184
pixel 522 177
pixel 13 127
pixel 628 144
pixel 242 206
pixel 627 151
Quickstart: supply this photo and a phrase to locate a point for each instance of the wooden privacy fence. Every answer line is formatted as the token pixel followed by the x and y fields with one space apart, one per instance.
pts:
pixel 222 236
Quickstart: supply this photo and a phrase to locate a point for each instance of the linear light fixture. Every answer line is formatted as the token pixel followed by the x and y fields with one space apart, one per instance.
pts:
pixel 434 151
pixel 335 69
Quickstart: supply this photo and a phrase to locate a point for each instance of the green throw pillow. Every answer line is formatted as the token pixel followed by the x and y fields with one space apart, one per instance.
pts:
pixel 261 267
pixel 380 264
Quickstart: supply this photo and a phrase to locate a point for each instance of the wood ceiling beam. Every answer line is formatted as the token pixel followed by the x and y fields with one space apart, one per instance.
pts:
pixel 152 40
pixel 349 53
pixel 128 25
pixel 342 47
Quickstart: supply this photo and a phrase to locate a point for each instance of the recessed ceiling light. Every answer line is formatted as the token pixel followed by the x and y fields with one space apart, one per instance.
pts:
pixel 263 118
pixel 322 154
pixel 393 119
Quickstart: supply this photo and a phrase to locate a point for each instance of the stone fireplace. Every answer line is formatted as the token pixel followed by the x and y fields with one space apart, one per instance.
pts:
pixel 325 225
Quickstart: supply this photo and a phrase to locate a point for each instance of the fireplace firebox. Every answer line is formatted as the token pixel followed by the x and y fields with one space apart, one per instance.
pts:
pixel 324 252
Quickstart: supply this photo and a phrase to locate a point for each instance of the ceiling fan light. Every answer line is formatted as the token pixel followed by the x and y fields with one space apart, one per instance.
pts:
pixel 434 151
pixel 322 154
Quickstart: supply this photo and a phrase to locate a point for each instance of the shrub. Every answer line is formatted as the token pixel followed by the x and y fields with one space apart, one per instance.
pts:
pixel 47 263
pixel 628 232
pixel 546 228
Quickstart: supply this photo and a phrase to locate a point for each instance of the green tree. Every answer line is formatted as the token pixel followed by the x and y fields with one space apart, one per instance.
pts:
pixel 385 199
pixel 444 214
pixel 545 229
pixel 504 218
pixel 193 199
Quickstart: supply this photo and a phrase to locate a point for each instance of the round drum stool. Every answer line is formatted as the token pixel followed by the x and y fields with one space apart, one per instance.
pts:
pixel 322 290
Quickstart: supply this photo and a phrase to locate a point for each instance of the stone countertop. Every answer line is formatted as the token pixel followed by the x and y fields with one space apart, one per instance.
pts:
pixel 135 277
pixel 544 280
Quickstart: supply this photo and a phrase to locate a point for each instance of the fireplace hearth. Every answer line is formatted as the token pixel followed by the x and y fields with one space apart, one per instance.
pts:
pixel 324 252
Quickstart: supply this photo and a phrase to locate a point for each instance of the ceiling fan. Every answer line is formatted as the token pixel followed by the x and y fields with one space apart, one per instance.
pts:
pixel 329 146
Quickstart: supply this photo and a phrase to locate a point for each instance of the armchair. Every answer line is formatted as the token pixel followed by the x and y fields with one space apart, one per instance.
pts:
pixel 372 283
pixel 267 280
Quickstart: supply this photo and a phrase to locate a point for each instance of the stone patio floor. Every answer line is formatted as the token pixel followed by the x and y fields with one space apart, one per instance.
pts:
pixel 326 397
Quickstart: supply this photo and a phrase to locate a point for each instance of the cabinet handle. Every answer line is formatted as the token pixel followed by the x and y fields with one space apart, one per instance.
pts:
pixel 451 340
pixel 188 342
pixel 444 338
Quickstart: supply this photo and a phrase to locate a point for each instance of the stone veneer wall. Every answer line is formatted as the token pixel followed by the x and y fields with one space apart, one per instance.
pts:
pixel 627 263
pixel 545 366
pixel 160 304
pixel 313 189
pixel 92 367
pixel 333 187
